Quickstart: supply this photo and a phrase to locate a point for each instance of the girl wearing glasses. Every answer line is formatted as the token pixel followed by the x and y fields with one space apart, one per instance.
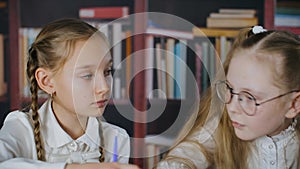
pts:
pixel 258 127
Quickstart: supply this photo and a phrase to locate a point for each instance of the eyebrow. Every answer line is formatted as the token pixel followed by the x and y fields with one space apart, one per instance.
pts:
pixel 110 61
pixel 253 92
pixel 93 66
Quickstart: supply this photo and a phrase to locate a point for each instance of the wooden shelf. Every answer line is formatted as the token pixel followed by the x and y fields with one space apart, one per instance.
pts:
pixel 170 33
pixel 212 32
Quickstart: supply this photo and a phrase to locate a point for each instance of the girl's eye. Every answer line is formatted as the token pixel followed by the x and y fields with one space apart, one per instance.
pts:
pixel 108 72
pixel 87 76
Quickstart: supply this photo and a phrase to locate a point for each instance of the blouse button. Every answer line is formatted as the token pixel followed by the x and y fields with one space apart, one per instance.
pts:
pixel 73 146
pixel 270 146
pixel 272 162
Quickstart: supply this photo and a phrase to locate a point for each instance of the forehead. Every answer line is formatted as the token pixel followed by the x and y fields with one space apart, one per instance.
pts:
pixel 94 51
pixel 247 70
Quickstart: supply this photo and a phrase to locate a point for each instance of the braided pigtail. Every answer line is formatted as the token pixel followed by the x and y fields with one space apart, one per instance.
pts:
pixel 32 65
pixel 101 147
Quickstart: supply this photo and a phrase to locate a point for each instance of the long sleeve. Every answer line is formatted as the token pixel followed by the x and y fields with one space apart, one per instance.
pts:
pixel 17 147
pixel 188 154
pixel 21 163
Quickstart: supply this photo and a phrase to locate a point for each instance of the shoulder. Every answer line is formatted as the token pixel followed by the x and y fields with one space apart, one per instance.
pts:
pixel 18 118
pixel 17 126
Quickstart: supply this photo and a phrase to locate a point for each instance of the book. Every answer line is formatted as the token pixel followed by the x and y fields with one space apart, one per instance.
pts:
pixel 163 67
pixel 231 15
pixel 177 69
pixel 198 65
pixel 231 22
pixel 237 11
pixel 158 51
pixel 149 65
pixel 170 33
pixel 205 63
pixel 170 67
pixel 288 10
pixel 180 69
pixel 111 12
pixel 287 20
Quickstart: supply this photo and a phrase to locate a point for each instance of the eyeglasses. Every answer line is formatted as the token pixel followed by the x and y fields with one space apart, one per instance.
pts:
pixel 245 99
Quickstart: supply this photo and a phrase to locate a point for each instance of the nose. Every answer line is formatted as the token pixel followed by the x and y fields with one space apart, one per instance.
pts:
pixel 234 106
pixel 102 84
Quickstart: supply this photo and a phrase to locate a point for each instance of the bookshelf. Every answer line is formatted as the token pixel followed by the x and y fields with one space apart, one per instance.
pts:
pixel 20 14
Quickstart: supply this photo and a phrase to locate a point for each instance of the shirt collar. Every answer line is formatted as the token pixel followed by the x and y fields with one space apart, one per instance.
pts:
pixel 92 135
pixel 55 136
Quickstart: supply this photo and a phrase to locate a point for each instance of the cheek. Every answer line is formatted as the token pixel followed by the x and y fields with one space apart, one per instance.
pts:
pixel 268 118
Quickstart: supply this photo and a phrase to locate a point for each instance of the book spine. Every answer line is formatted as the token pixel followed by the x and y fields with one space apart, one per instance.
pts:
pixel 104 12
pixel 159 72
pixel 183 68
pixel 198 50
pixel 117 57
pixel 205 62
pixel 170 67
pixel 163 67
pixel 230 23
pixel 149 64
pixel 177 70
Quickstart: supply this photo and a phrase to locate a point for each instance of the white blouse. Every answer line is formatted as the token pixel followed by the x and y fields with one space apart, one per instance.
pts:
pixel 18 150
pixel 277 152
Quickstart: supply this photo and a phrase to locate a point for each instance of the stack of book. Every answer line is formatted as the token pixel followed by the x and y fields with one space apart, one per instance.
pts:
pixel 287 14
pixel 232 18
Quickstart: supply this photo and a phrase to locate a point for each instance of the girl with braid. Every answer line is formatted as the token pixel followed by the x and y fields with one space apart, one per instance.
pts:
pixel 70 60
pixel 248 119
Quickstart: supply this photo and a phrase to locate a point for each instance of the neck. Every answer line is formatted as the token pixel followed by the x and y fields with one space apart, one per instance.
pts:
pixel 284 126
pixel 70 122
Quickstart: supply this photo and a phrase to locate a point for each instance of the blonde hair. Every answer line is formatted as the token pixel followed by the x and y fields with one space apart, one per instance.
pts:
pixel 51 49
pixel 230 152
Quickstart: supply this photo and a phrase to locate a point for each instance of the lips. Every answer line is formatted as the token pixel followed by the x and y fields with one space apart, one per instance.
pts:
pixel 237 125
pixel 101 103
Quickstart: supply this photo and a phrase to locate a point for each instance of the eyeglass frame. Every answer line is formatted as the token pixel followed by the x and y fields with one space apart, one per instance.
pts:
pixel 255 101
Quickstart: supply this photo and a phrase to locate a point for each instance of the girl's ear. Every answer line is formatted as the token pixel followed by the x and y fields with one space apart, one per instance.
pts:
pixel 44 80
pixel 295 107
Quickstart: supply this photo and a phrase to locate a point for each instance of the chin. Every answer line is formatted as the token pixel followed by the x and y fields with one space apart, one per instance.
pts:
pixel 243 136
pixel 97 114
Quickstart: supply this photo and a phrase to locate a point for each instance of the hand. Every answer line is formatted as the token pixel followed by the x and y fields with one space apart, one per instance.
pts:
pixel 101 166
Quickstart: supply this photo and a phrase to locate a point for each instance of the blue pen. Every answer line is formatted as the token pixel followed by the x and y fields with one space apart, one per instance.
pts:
pixel 115 155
